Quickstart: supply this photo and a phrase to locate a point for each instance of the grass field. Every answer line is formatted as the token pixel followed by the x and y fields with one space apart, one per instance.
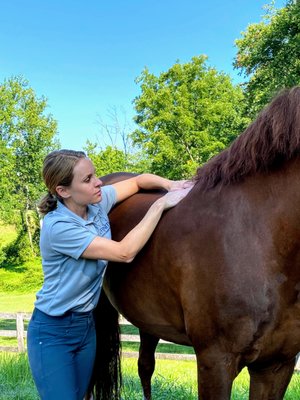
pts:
pixel 16 302
pixel 172 380
pixel 7 234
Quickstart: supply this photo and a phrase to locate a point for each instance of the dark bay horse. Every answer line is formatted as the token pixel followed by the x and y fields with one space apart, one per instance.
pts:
pixel 221 272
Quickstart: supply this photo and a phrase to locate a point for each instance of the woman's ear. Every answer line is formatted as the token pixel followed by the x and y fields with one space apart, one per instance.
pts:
pixel 63 192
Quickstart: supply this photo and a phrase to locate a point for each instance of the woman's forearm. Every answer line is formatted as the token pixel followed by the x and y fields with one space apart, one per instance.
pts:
pixel 133 242
pixel 150 181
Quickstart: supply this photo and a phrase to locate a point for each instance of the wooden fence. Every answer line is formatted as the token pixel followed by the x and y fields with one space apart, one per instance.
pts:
pixel 20 333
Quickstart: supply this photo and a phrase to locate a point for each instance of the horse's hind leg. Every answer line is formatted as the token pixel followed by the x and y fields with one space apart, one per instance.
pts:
pixel 146 361
pixel 270 383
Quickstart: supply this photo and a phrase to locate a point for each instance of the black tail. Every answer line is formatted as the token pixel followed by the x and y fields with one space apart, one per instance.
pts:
pixel 107 379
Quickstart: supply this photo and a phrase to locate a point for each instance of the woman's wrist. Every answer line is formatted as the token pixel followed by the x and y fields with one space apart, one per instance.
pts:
pixel 159 204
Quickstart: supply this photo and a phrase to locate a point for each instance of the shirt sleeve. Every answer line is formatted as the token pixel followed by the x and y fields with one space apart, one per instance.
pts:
pixel 109 197
pixel 70 238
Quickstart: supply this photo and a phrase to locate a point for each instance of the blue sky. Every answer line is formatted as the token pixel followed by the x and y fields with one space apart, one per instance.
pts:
pixel 84 56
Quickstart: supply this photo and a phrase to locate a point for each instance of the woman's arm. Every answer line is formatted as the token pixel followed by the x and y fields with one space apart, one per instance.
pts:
pixel 131 244
pixel 131 186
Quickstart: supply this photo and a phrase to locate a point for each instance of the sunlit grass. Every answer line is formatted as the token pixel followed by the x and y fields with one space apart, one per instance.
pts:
pixel 16 302
pixel 15 378
pixel 172 380
pixel 7 234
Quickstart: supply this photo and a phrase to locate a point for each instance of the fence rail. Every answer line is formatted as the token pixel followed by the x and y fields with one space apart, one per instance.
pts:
pixel 20 333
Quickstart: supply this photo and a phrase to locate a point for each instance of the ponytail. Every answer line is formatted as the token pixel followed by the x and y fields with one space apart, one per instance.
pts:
pixel 47 204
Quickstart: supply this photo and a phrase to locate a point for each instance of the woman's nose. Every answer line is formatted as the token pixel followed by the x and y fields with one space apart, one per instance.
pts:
pixel 99 182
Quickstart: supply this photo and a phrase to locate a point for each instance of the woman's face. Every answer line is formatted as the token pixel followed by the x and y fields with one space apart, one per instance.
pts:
pixel 86 187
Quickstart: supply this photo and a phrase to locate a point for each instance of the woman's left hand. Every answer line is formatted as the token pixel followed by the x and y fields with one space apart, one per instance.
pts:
pixel 178 185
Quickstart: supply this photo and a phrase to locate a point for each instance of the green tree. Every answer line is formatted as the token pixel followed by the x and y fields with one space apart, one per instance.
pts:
pixel 114 151
pixel 108 160
pixel 113 159
pixel 185 116
pixel 26 136
pixel 269 54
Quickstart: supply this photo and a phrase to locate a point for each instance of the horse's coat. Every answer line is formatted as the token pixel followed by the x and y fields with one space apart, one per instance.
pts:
pixel 222 270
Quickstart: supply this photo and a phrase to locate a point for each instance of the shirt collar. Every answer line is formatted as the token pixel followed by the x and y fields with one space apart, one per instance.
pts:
pixel 92 212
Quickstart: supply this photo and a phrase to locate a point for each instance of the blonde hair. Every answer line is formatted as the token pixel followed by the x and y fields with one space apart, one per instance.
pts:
pixel 58 170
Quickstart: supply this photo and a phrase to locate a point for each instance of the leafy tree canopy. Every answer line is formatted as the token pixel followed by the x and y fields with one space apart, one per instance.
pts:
pixel 26 136
pixel 113 159
pixel 269 54
pixel 185 116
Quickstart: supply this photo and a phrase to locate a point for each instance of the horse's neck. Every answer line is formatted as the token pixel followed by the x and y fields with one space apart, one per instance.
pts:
pixel 285 183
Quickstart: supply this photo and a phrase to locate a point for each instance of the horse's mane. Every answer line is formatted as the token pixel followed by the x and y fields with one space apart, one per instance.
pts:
pixel 272 139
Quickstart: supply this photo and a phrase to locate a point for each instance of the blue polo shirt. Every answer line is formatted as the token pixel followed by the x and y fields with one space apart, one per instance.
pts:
pixel 71 282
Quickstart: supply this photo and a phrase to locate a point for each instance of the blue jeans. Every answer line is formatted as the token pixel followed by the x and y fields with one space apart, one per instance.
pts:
pixel 61 352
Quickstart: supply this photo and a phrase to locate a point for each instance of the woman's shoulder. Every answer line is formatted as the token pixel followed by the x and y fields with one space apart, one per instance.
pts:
pixel 109 197
pixel 58 220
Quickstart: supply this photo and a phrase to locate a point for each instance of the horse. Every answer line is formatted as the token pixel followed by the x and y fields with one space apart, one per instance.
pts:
pixel 221 272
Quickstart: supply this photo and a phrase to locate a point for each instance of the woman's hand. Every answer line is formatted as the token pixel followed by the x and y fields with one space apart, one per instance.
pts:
pixel 174 196
pixel 178 185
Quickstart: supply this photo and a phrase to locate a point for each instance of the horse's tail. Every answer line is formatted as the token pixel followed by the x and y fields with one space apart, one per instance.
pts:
pixel 107 379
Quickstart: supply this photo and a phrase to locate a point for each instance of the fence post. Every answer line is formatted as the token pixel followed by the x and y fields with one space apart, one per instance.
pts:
pixel 20 332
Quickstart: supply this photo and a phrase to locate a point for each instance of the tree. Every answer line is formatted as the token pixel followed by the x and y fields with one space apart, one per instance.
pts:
pixel 26 136
pixel 269 54
pixel 114 151
pixel 185 116
pixel 107 160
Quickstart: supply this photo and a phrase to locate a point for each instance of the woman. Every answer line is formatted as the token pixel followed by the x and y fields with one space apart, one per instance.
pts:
pixel 75 246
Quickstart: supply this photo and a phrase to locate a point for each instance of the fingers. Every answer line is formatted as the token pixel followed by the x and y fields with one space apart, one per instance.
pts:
pixel 178 185
pixel 174 197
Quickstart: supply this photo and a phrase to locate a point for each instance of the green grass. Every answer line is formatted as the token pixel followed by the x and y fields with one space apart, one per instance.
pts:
pixel 161 348
pixel 16 302
pixel 7 234
pixel 15 378
pixel 21 279
pixel 172 380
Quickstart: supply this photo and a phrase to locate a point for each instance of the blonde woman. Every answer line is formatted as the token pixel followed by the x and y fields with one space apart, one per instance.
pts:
pixel 75 246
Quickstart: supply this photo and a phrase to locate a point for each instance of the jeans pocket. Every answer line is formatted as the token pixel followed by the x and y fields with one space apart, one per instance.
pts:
pixel 53 332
